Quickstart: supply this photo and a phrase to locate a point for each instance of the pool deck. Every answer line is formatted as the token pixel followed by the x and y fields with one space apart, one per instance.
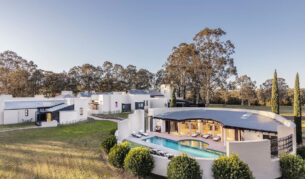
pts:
pixel 212 144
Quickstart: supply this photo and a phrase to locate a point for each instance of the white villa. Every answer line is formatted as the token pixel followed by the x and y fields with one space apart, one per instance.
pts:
pixel 258 137
pixel 62 109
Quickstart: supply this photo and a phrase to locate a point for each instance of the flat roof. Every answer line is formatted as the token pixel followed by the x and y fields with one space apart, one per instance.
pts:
pixel 150 92
pixel 229 119
pixel 31 104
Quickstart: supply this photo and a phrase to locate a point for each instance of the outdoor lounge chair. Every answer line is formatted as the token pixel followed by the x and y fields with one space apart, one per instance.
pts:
pixel 169 156
pixel 134 134
pixel 206 136
pixel 141 132
pixel 154 151
pixel 196 134
pixel 217 138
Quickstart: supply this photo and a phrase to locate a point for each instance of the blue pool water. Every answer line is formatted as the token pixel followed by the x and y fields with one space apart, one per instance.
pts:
pixel 192 147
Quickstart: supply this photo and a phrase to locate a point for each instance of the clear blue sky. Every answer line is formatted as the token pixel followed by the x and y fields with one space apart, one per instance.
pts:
pixel 59 34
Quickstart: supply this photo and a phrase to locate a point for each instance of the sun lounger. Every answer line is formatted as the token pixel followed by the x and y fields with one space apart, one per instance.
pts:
pixel 206 136
pixel 217 138
pixel 169 156
pixel 134 134
pixel 141 132
pixel 196 134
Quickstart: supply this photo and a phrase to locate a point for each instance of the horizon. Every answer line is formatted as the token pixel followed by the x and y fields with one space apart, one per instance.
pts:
pixel 57 36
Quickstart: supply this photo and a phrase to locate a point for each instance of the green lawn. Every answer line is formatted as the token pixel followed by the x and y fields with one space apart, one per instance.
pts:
pixel 71 151
pixel 113 116
pixel 13 126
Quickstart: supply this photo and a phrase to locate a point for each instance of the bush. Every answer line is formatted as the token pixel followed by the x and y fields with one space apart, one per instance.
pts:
pixel 112 131
pixel 292 166
pixel 301 152
pixel 108 143
pixel 183 167
pixel 231 167
pixel 117 154
pixel 139 162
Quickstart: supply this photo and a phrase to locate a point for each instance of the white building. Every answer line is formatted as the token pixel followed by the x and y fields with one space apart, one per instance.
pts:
pixel 117 102
pixel 258 137
pixel 62 109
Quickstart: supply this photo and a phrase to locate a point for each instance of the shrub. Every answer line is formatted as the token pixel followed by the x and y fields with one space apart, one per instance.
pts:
pixel 183 167
pixel 112 131
pixel 292 166
pixel 230 168
pixel 108 143
pixel 301 151
pixel 117 154
pixel 139 162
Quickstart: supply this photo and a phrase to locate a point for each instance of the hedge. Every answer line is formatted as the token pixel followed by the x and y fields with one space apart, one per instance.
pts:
pixel 118 153
pixel 139 162
pixel 230 168
pixel 108 143
pixel 183 167
pixel 301 152
pixel 292 166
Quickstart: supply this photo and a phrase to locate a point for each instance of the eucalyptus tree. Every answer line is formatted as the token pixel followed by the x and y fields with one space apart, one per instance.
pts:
pixel 216 59
pixel 247 89
pixel 129 76
pixel 266 90
pixel 144 79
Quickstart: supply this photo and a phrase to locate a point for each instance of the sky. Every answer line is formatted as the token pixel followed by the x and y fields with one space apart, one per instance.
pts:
pixel 60 34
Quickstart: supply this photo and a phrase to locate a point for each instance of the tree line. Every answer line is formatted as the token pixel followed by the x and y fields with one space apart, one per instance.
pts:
pixel 22 78
pixel 202 71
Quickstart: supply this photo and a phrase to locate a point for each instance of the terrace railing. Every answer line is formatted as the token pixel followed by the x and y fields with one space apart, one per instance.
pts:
pixel 281 145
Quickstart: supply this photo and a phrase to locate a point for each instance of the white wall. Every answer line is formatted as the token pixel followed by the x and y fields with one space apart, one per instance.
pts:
pixel 135 122
pixel 18 116
pixel 68 117
pixel 257 155
pixel 78 104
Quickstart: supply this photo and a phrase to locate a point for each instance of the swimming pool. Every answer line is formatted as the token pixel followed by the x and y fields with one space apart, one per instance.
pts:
pixel 193 147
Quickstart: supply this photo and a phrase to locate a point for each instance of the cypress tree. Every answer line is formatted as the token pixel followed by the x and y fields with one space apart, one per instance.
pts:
pixel 297 110
pixel 275 102
pixel 173 99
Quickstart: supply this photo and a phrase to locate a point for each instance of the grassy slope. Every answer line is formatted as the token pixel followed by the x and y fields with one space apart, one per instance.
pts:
pixel 63 152
pixel 12 126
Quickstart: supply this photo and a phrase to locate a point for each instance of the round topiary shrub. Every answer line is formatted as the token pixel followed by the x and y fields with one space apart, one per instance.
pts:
pixel 230 168
pixel 139 162
pixel 183 167
pixel 118 153
pixel 108 143
pixel 301 152
pixel 112 131
pixel 292 166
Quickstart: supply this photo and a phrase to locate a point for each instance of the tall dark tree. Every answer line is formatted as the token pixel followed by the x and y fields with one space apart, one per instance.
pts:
pixel 275 101
pixel 297 110
pixel 173 99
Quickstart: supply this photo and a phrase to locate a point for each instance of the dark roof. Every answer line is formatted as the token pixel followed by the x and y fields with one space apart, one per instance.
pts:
pixel 150 92
pixel 34 104
pixel 66 96
pixel 89 94
pixel 58 107
pixel 229 119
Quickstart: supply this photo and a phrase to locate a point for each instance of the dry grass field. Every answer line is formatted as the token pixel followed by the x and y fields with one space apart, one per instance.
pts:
pixel 63 152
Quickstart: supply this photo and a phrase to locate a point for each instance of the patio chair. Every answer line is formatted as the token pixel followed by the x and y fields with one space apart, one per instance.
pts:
pixel 169 156
pixel 141 132
pixel 217 138
pixel 134 134
pixel 196 134
pixel 161 153
pixel 206 136
pixel 153 151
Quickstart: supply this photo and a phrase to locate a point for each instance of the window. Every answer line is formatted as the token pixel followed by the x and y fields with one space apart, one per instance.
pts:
pixel 116 104
pixel 146 103
pixel 81 111
pixel 26 112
